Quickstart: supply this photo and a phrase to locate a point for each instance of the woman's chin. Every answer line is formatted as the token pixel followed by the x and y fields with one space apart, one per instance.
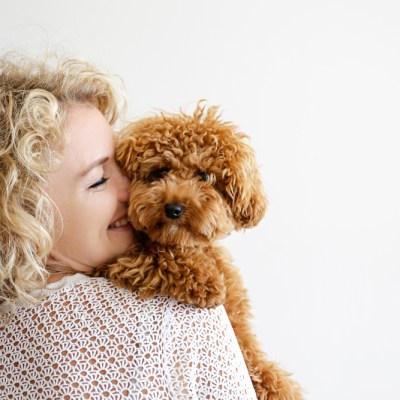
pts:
pixel 121 238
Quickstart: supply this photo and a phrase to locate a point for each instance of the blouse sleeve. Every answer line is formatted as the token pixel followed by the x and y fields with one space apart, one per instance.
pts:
pixel 202 355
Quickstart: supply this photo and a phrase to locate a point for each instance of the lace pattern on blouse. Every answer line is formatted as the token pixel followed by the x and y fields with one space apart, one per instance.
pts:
pixel 92 340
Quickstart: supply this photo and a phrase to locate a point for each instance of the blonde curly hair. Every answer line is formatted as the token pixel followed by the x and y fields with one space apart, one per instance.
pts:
pixel 34 95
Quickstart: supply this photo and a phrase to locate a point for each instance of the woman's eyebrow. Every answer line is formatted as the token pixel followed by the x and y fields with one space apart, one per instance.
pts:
pixel 94 164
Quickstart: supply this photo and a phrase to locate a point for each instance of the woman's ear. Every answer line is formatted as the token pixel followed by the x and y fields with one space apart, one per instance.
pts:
pixel 243 187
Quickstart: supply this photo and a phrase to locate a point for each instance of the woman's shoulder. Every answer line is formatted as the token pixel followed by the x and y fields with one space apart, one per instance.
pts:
pixel 90 293
pixel 98 300
pixel 81 311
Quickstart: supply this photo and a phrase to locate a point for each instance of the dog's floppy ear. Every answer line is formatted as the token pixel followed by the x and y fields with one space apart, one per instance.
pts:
pixel 235 167
pixel 139 145
pixel 243 186
pixel 125 152
pixel 131 146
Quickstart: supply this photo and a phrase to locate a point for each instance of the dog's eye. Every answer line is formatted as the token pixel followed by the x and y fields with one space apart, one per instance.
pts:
pixel 204 176
pixel 158 174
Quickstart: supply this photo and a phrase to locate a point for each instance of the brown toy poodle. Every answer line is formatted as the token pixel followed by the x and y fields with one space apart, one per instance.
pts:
pixel 194 180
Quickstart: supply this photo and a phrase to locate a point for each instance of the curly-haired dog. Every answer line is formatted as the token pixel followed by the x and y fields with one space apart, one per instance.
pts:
pixel 194 180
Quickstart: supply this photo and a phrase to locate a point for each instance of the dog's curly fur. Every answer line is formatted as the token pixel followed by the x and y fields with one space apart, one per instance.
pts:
pixel 194 180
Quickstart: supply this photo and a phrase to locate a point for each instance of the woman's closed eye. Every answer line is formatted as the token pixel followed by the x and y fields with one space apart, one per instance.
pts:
pixel 99 183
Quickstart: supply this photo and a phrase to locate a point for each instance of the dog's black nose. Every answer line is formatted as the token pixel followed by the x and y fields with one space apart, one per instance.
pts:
pixel 173 210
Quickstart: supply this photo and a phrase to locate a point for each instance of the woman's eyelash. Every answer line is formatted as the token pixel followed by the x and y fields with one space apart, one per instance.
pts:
pixel 100 182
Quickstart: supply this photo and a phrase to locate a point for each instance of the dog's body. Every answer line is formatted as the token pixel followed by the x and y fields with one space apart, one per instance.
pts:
pixel 194 180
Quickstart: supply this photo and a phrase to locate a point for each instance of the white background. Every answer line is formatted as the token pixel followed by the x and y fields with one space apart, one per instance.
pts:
pixel 317 86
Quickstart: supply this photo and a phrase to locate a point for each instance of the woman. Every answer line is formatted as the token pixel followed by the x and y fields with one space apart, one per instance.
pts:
pixel 63 209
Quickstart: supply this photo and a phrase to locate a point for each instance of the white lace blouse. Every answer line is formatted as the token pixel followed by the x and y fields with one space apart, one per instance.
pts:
pixel 88 339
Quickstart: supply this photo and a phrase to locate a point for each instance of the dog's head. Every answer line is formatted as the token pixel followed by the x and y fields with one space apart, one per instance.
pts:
pixel 194 178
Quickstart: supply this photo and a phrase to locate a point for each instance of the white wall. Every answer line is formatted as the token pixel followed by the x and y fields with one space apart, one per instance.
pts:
pixel 317 86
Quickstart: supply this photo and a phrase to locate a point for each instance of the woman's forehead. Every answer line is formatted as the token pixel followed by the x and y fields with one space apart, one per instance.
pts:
pixel 89 137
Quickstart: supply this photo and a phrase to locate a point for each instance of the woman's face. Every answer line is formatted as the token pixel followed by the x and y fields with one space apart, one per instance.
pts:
pixel 91 194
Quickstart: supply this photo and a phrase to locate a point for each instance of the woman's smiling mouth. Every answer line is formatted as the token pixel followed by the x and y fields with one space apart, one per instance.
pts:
pixel 120 224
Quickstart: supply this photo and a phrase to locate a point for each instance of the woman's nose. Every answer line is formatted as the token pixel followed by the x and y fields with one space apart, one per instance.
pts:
pixel 123 187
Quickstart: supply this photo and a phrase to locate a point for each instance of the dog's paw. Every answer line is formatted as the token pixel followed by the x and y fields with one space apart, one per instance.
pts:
pixel 208 294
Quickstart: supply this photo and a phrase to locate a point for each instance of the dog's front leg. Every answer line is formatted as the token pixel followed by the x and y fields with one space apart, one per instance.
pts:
pixel 136 271
pixel 191 277
pixel 187 275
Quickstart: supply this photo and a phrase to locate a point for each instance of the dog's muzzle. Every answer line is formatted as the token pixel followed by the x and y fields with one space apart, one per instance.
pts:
pixel 173 210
